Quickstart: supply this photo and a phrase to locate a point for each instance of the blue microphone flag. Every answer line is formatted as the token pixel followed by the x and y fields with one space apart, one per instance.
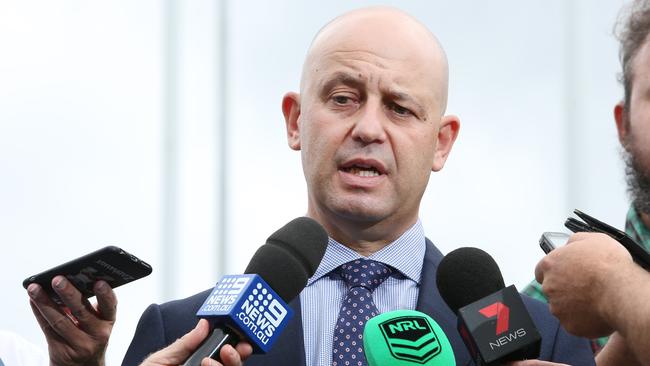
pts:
pixel 248 305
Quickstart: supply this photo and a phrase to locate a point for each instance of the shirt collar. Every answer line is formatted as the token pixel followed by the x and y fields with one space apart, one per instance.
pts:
pixel 406 254
pixel 636 229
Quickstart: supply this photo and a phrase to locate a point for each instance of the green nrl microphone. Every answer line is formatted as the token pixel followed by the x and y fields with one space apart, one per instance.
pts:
pixel 406 338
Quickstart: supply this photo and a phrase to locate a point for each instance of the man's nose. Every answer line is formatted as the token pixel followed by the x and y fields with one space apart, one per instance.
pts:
pixel 369 126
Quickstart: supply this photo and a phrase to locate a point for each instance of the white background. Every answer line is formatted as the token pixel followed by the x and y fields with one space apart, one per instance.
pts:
pixel 156 126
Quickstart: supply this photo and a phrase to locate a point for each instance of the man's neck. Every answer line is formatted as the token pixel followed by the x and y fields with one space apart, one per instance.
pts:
pixel 363 248
pixel 364 238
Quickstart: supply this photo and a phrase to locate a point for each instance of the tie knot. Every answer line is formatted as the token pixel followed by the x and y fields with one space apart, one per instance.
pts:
pixel 364 273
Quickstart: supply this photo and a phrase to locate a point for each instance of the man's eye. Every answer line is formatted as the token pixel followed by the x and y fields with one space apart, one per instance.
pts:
pixel 341 99
pixel 400 111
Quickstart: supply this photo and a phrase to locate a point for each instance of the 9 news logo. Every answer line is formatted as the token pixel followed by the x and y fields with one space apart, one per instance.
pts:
pixel 261 312
pixel 225 294
pixel 249 303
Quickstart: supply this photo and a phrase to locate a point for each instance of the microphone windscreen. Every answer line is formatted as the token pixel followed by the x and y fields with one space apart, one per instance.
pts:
pixel 282 271
pixel 290 256
pixel 305 239
pixel 466 275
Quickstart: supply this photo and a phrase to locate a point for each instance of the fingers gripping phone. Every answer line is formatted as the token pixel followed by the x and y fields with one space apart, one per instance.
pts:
pixel 111 264
pixel 551 240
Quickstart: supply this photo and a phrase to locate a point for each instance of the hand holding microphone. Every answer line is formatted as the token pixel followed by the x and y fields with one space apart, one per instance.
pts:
pixel 180 350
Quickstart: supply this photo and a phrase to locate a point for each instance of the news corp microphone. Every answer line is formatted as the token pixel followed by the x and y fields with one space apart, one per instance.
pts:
pixel 253 306
pixel 406 338
pixel 492 319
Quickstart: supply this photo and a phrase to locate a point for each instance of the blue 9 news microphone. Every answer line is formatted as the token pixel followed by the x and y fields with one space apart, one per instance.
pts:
pixel 253 306
pixel 406 338
pixel 492 319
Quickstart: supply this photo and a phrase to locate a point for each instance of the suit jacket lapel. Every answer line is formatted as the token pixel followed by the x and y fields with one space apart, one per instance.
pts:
pixel 431 303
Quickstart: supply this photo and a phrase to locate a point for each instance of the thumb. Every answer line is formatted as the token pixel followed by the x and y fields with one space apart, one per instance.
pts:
pixel 190 341
pixel 177 352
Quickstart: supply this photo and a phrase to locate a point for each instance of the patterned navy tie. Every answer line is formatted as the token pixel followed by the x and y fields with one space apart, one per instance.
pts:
pixel 362 277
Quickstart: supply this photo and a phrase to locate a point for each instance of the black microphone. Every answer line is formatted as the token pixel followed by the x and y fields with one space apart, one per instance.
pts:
pixel 253 306
pixel 492 319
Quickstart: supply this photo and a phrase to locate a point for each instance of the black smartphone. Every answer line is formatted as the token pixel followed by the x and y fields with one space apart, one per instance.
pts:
pixel 551 240
pixel 591 224
pixel 111 264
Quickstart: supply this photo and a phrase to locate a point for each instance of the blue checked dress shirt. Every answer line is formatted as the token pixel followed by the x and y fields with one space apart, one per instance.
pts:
pixel 322 298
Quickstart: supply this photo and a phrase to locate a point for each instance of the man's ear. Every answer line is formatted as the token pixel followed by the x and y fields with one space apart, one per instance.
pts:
pixel 291 111
pixel 447 133
pixel 621 117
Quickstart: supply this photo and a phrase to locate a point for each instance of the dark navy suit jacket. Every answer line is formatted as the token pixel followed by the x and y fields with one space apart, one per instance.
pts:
pixel 161 325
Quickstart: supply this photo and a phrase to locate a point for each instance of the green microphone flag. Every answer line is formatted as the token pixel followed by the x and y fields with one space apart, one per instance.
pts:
pixel 406 338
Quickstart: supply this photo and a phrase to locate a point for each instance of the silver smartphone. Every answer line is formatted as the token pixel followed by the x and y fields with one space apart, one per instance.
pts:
pixel 551 240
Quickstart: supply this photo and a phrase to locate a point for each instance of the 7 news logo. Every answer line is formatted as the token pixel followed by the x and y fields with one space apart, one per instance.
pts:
pixel 502 313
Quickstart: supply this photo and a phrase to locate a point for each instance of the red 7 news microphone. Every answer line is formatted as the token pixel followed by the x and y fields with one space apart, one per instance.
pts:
pixel 492 319
pixel 253 306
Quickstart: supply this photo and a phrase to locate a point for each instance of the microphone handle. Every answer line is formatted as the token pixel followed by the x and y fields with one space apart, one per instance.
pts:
pixel 211 346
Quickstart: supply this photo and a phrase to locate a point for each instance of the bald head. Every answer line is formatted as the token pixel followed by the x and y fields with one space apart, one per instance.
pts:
pixel 370 124
pixel 389 34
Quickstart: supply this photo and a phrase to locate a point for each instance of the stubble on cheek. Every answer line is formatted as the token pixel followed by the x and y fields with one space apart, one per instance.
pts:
pixel 637 173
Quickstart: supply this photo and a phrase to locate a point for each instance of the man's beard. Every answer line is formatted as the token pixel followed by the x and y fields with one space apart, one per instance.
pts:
pixel 638 180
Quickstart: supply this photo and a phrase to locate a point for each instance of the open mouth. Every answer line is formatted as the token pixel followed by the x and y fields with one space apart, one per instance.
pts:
pixel 362 171
pixel 364 168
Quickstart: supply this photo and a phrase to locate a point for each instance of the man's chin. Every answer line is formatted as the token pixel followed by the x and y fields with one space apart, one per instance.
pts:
pixel 362 211
pixel 362 215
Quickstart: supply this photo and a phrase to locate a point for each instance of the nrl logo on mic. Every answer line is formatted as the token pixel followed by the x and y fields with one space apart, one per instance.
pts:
pixel 411 338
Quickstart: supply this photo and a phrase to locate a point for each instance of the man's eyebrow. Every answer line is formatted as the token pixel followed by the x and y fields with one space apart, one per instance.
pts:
pixel 341 78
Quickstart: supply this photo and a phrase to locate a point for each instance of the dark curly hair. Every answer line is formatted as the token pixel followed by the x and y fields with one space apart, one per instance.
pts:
pixel 632 29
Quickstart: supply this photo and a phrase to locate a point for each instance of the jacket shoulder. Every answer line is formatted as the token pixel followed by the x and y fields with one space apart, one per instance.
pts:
pixel 160 325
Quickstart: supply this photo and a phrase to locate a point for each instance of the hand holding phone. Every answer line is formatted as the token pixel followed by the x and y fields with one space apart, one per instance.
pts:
pixel 77 332
pixel 591 224
pixel 548 241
